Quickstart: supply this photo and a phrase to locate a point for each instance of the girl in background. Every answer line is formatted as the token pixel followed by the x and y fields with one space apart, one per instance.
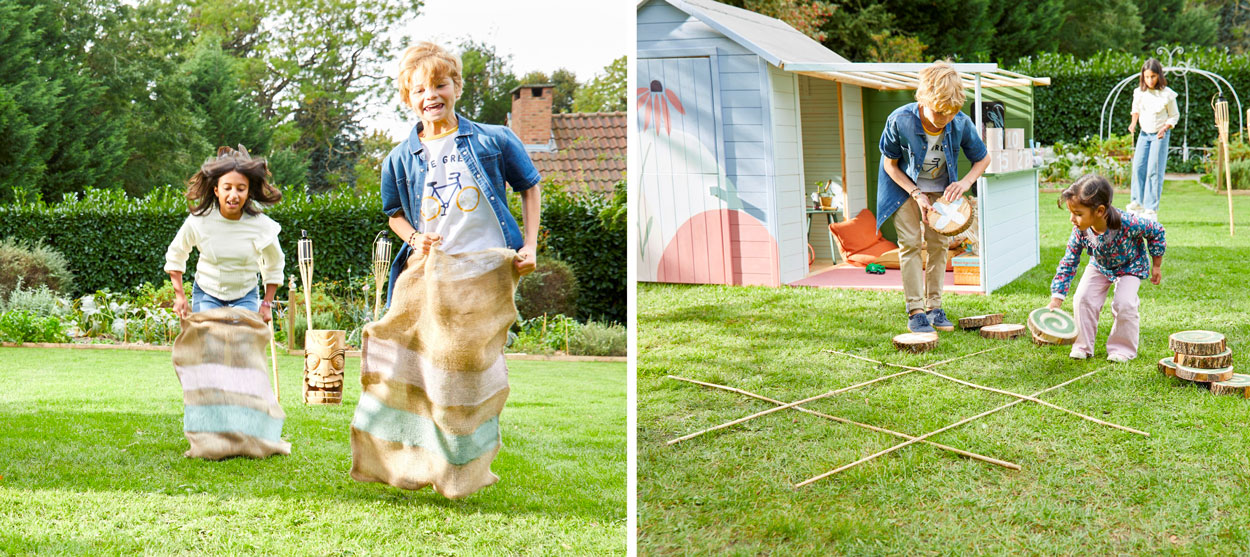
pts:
pixel 1154 106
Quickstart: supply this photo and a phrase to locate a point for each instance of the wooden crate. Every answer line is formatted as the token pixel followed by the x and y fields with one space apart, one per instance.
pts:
pixel 967 269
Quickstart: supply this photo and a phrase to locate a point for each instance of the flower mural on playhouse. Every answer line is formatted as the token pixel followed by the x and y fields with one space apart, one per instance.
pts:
pixel 653 102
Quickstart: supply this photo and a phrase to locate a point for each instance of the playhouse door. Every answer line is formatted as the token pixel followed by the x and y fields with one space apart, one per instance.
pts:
pixel 683 227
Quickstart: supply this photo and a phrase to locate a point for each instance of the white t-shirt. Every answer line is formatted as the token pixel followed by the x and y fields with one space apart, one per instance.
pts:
pixel 1154 108
pixel 231 252
pixel 454 206
pixel 932 177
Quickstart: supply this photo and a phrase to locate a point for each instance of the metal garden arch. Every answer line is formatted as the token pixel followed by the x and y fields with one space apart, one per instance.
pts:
pixel 1182 69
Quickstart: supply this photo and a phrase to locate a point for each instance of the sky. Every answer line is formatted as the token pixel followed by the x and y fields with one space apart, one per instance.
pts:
pixel 543 35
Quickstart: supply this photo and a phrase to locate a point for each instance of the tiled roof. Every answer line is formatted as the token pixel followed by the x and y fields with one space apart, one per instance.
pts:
pixel 590 150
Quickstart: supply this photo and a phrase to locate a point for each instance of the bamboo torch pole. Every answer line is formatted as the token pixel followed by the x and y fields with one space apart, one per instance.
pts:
pixel 273 347
pixel 1221 121
pixel 306 273
pixel 381 270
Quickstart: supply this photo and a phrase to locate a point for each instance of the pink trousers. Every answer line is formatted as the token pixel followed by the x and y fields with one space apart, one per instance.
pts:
pixel 1090 296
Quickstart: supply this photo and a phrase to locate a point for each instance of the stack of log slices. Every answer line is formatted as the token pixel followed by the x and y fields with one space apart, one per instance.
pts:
pixel 1204 357
pixel 1052 326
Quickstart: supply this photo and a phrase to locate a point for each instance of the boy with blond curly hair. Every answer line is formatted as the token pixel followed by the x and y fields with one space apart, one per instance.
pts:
pixel 919 164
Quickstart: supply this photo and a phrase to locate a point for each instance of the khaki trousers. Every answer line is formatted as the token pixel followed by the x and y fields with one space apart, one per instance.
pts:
pixel 922 288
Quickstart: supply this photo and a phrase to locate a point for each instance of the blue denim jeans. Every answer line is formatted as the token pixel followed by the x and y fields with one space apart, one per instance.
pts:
pixel 202 301
pixel 1150 162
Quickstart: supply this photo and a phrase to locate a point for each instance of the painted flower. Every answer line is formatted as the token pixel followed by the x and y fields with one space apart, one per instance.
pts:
pixel 654 101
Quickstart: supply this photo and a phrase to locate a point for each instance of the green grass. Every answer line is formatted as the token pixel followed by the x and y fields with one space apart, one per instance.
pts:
pixel 91 463
pixel 1084 488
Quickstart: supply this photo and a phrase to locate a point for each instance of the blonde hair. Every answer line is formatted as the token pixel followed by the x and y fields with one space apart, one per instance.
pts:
pixel 940 87
pixel 431 60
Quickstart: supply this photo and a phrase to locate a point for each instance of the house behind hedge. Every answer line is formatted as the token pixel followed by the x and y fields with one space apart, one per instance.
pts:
pixel 581 150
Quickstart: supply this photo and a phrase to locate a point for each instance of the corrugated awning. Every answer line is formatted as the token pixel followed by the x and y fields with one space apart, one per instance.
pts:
pixel 900 77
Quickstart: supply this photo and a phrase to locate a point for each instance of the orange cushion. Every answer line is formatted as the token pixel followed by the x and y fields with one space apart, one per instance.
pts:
pixel 857 234
pixel 871 253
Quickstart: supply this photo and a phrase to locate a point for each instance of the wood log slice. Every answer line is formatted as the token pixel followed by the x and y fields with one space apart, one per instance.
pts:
pixel 950 219
pixel 1039 341
pixel 1204 375
pixel 978 321
pixel 1167 367
pixel 1238 385
pixel 1053 325
pixel 1197 343
pixel 1002 331
pixel 916 342
pixel 1223 359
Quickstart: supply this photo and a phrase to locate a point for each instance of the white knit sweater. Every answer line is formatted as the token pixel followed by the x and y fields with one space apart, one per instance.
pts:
pixel 231 252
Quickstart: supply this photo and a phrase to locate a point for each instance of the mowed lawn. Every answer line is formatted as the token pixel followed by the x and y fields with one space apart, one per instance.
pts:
pixel 1083 488
pixel 91 463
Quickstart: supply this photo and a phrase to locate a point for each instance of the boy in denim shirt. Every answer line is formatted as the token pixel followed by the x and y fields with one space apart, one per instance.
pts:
pixel 919 164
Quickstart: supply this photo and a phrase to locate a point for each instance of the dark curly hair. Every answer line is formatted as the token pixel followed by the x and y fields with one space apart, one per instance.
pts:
pixel 201 187
pixel 1092 190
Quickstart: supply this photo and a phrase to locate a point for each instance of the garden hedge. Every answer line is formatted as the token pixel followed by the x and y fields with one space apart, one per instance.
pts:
pixel 117 242
pixel 1068 109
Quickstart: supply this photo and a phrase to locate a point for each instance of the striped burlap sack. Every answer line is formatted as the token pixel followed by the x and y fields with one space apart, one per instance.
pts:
pixel 433 375
pixel 229 406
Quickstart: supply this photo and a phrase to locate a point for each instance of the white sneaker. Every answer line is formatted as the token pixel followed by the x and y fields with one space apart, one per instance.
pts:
pixel 1149 215
pixel 1078 355
pixel 1134 207
pixel 1118 358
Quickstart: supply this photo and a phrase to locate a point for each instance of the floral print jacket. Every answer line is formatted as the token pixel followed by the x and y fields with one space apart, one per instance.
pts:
pixel 1114 253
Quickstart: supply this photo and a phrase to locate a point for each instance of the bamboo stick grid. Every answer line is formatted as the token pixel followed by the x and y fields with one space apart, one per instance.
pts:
pixel 909 439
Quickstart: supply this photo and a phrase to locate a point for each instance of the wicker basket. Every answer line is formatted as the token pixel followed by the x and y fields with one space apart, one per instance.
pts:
pixel 967 269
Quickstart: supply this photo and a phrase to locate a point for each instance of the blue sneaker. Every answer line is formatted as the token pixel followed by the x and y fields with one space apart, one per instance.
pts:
pixel 938 319
pixel 919 323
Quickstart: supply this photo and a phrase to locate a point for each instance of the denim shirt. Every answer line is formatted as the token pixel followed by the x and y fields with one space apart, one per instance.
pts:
pixel 493 154
pixel 903 134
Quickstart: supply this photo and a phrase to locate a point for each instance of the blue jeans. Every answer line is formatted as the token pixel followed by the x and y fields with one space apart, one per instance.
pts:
pixel 202 301
pixel 1150 161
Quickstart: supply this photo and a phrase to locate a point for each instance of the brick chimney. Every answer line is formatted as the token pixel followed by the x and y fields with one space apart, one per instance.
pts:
pixel 531 113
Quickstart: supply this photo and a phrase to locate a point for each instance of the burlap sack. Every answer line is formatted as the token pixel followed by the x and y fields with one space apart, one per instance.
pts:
pixel 229 406
pixel 433 375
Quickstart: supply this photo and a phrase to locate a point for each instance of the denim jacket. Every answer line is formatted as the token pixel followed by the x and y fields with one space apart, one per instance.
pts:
pixel 493 154
pixel 903 134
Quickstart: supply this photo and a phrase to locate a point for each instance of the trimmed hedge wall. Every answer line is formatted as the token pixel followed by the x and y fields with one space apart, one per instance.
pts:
pixel 117 242
pixel 1068 109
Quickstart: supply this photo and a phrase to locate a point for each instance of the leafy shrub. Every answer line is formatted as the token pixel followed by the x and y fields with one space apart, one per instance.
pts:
pixel 587 230
pixel 42 301
pixel 31 263
pixel 597 339
pixel 550 290
pixel 24 326
pixel 544 335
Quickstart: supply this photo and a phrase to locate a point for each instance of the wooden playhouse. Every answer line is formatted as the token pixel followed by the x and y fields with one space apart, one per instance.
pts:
pixel 740 116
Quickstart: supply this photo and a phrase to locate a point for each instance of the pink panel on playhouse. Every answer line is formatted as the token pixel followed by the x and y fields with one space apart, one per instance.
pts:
pixel 721 247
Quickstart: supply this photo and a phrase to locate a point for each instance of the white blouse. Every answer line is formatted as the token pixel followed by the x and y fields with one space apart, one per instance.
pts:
pixel 231 252
pixel 1155 108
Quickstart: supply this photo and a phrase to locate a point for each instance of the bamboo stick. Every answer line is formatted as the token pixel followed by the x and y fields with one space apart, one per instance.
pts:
pixel 790 405
pixel 273 360
pixel 814 479
pixel 817 397
pixel 983 458
pixel 1008 393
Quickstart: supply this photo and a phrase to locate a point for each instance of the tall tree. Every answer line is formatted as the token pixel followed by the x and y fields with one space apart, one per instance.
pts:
pixel 605 92
pixel 229 115
pixel 488 83
pixel 566 87
pixel 1094 25
pixel 1025 27
pixel 864 30
pixel 1167 22
pixel 959 29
